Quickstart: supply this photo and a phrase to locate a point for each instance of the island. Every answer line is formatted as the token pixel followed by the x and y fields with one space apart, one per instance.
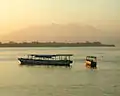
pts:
pixel 55 44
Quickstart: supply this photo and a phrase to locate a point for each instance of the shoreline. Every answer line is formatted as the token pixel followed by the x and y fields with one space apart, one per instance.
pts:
pixel 55 44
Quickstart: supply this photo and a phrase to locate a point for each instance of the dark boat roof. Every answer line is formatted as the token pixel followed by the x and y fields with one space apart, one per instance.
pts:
pixel 50 56
pixel 91 56
pixel 64 54
pixel 46 56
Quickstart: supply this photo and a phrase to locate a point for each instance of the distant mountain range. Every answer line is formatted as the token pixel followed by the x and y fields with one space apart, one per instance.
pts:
pixel 62 33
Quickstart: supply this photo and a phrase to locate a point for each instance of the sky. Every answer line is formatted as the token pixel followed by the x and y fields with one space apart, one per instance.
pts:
pixel 18 14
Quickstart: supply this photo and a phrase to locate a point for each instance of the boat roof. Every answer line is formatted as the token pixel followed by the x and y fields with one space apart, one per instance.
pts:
pixel 50 56
pixel 64 54
pixel 46 56
pixel 91 56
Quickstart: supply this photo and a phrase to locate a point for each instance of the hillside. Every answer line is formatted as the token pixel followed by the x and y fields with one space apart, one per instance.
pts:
pixel 55 32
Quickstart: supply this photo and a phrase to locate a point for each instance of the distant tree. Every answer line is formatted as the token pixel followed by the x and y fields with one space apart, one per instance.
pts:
pixel 11 42
pixel 35 42
pixel 88 42
pixel 24 42
pixel 97 42
pixel 53 42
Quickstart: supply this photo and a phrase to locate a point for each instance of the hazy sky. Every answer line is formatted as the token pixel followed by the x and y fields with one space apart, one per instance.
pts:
pixel 16 14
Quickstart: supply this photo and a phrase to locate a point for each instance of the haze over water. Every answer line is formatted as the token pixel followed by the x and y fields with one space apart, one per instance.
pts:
pixel 16 80
pixel 60 21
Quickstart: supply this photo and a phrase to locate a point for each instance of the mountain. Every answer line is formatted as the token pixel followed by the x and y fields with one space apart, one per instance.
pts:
pixel 59 33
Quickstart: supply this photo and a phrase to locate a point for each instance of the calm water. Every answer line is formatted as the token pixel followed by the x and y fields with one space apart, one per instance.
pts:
pixel 18 80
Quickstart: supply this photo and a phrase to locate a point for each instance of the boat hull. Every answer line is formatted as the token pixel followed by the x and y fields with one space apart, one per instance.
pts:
pixel 92 65
pixel 25 61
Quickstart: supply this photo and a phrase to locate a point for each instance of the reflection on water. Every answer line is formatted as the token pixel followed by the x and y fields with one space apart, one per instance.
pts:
pixel 16 80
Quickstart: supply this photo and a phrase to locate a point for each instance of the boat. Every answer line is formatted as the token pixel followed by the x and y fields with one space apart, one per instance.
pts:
pixel 91 62
pixel 56 60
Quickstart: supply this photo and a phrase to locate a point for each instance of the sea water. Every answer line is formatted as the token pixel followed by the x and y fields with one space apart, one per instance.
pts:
pixel 16 80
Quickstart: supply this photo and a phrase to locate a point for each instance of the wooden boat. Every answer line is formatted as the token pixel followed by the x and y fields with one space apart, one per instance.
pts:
pixel 56 60
pixel 91 62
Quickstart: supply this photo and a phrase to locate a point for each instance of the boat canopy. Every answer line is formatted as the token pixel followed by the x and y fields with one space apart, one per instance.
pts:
pixel 44 56
pixel 91 57
pixel 50 56
pixel 64 54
